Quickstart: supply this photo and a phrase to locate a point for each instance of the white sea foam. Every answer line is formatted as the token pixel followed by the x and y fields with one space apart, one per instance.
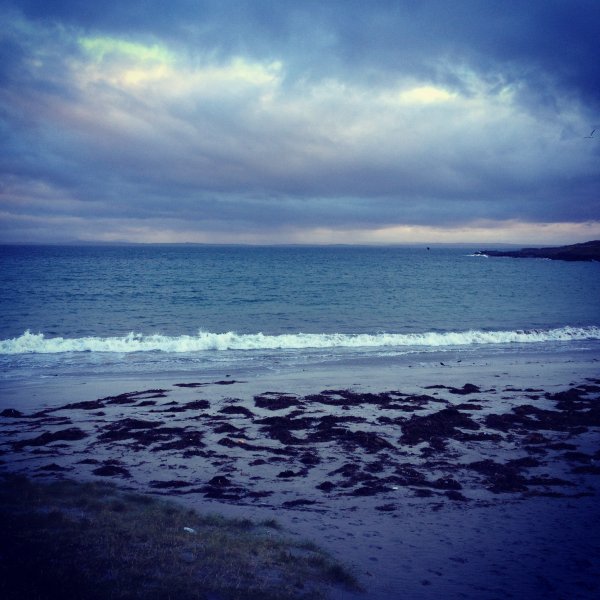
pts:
pixel 30 343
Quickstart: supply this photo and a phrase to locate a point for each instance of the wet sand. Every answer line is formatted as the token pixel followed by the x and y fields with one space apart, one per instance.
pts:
pixel 445 477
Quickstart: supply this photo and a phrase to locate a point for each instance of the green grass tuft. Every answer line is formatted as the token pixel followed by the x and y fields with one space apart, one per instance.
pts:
pixel 271 524
pixel 92 541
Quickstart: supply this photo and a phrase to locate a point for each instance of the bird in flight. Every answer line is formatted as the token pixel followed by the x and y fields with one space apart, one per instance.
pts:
pixel 591 134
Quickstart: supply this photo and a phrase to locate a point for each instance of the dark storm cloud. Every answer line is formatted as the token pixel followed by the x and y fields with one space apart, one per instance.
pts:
pixel 260 116
pixel 546 41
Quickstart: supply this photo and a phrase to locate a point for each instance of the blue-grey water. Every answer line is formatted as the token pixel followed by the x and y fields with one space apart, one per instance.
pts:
pixel 147 308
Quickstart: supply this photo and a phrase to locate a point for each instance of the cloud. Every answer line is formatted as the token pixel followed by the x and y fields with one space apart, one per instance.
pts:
pixel 524 40
pixel 266 120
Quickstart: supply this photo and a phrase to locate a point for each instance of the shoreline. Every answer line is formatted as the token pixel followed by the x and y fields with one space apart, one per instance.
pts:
pixel 366 374
pixel 421 538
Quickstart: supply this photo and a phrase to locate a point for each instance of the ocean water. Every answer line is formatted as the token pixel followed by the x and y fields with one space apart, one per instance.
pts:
pixel 213 309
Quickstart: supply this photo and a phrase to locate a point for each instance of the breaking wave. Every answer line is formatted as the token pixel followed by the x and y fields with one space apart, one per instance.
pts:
pixel 38 343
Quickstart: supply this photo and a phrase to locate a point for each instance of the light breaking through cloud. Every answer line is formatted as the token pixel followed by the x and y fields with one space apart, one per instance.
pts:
pixel 274 122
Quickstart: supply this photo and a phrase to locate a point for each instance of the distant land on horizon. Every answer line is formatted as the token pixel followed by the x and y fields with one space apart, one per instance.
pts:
pixel 518 247
pixel 587 251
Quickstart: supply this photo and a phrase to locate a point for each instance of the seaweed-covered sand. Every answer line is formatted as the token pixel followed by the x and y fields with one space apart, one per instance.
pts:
pixel 478 479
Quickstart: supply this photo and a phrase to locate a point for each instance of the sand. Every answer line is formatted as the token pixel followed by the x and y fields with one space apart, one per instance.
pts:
pixel 480 500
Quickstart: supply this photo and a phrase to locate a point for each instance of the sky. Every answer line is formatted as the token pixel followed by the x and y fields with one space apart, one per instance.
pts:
pixel 316 122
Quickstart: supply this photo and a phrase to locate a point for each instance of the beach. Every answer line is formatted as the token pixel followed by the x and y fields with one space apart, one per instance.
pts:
pixel 299 300
pixel 448 475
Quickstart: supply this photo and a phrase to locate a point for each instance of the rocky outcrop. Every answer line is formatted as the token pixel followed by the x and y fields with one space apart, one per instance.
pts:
pixel 575 252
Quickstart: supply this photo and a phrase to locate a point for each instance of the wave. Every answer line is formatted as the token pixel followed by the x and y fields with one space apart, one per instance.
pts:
pixel 30 343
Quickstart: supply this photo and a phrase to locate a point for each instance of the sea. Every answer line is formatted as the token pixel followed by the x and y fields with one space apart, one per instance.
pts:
pixel 136 310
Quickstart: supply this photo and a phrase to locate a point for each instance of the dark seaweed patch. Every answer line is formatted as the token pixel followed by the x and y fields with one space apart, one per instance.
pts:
pixel 111 471
pixel 442 424
pixel 70 435
pixel 86 405
pixel 12 413
pixel 275 401
pixel 171 484
pixel 130 397
pixel 299 502
pixel 500 477
pixel 369 443
pixel 236 410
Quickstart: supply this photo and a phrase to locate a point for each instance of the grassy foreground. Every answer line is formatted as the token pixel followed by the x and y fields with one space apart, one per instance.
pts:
pixel 92 541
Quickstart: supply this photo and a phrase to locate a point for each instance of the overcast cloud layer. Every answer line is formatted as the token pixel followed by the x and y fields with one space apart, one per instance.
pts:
pixel 302 122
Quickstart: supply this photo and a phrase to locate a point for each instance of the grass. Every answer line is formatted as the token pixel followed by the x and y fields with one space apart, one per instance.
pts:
pixel 92 541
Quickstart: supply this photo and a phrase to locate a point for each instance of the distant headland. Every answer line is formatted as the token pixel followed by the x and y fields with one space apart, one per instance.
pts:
pixel 584 251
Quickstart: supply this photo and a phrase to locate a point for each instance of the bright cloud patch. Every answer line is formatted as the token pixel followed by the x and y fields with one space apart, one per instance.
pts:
pixel 101 48
pixel 127 64
pixel 425 94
